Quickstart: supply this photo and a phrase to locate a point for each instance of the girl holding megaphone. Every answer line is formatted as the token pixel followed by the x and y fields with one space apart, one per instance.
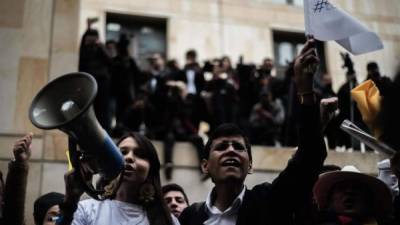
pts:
pixel 138 199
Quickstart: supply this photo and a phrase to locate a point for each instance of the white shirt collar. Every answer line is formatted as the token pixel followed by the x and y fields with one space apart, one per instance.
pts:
pixel 232 209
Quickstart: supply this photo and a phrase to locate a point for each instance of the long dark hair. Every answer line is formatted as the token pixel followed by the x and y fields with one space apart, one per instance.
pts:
pixel 157 211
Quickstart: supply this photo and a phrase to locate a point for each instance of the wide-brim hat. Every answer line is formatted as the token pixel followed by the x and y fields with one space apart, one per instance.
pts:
pixel 381 194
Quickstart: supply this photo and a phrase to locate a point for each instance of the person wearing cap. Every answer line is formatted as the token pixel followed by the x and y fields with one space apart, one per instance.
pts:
pixel 175 198
pixel 349 197
pixel 228 161
pixel 46 208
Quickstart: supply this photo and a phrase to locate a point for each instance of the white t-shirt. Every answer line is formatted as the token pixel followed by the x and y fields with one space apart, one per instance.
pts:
pixel 93 212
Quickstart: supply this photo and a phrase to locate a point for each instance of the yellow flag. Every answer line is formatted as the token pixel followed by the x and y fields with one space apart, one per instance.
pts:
pixel 368 100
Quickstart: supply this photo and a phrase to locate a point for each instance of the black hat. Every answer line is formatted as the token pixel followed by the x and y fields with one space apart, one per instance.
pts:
pixel 44 203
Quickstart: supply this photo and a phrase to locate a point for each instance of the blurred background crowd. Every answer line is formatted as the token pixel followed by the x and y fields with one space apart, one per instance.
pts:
pixel 169 102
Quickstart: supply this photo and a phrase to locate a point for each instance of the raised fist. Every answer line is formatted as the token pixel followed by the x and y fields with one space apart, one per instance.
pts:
pixel 22 148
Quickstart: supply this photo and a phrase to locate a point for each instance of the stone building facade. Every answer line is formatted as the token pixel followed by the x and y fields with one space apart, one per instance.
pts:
pixel 39 41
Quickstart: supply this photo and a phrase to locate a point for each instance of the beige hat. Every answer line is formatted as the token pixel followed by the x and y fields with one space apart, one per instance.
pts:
pixel 381 193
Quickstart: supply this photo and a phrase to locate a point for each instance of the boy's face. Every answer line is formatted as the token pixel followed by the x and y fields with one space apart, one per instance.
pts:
pixel 176 202
pixel 228 160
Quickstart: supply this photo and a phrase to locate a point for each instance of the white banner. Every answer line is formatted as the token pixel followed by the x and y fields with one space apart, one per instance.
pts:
pixel 326 22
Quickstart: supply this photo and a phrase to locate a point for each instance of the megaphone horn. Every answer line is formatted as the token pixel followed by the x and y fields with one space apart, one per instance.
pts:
pixel 66 104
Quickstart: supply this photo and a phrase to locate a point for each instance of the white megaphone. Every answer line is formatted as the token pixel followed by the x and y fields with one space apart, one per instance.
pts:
pixel 66 104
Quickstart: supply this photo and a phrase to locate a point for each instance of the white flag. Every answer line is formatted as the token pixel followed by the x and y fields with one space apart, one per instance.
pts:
pixel 326 22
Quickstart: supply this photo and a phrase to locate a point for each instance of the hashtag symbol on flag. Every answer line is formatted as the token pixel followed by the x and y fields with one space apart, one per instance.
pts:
pixel 322 4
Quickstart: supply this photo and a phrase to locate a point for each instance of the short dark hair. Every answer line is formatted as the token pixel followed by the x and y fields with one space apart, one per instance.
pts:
pixel 174 187
pixel 191 54
pixel 372 66
pixel 227 130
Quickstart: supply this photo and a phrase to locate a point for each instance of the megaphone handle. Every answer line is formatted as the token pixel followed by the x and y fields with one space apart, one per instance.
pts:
pixel 74 156
pixel 88 187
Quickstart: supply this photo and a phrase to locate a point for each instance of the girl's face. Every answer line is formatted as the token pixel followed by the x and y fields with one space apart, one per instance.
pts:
pixel 137 167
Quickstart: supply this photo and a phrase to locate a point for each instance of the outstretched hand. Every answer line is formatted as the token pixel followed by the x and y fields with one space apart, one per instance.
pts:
pixel 305 65
pixel 22 148
pixel 90 21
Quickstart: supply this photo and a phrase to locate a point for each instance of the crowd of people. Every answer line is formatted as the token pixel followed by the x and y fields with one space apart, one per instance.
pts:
pixel 305 192
pixel 168 103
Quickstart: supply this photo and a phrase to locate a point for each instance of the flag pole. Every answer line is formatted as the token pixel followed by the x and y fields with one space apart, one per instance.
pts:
pixel 309 34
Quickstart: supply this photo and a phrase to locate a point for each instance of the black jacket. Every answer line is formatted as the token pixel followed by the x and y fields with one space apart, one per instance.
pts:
pixel 273 204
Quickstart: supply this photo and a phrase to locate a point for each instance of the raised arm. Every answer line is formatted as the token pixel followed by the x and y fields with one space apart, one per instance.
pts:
pixel 298 178
pixel 311 149
pixel 15 186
